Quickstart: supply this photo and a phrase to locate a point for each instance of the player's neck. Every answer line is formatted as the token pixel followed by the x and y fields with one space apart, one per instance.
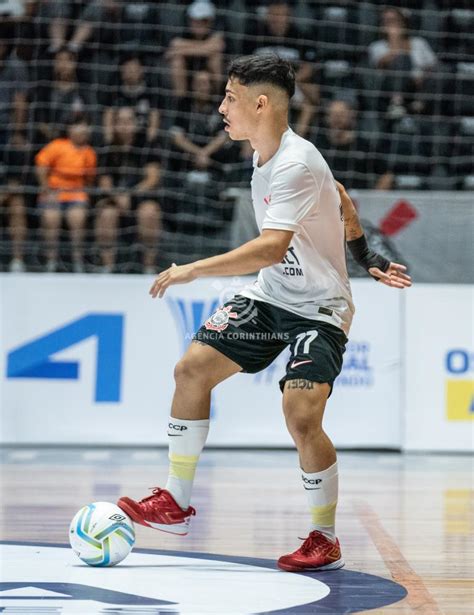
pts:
pixel 267 142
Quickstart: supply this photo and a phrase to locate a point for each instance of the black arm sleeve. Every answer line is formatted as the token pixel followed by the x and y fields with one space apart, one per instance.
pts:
pixel 366 257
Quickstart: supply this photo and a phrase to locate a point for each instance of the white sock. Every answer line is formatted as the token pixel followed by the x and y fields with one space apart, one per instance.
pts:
pixel 186 440
pixel 321 490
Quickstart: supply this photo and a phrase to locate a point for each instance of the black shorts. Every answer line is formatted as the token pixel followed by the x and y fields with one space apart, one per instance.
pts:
pixel 253 333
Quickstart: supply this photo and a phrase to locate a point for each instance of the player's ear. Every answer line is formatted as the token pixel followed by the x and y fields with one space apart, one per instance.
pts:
pixel 262 102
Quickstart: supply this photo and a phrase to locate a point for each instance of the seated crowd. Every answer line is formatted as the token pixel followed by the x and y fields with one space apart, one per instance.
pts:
pixel 113 153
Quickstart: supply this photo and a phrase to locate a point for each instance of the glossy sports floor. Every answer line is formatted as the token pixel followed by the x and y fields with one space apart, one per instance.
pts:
pixel 405 523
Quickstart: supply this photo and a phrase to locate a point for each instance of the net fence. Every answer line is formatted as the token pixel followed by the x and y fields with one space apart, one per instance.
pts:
pixel 385 93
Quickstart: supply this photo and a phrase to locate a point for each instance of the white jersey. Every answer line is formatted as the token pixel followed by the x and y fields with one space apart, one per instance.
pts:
pixel 295 191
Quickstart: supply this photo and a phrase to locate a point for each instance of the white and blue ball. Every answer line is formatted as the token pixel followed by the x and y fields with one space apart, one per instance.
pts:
pixel 101 534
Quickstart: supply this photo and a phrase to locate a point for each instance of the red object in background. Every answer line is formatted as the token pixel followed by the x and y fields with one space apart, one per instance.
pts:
pixel 399 217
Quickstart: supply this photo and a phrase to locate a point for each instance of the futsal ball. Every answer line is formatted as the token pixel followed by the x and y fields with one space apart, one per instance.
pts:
pixel 101 534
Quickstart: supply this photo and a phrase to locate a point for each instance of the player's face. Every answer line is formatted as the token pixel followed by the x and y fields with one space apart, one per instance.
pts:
pixel 239 111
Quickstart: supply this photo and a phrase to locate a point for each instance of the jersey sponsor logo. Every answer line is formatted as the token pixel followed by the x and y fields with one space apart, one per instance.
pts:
pixel 219 321
pixel 267 199
pixel 34 358
pixel 43 579
pixel 293 271
pixel 292 264
pixel 459 368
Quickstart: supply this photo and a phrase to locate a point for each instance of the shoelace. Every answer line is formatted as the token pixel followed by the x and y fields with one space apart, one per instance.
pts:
pixel 310 544
pixel 155 491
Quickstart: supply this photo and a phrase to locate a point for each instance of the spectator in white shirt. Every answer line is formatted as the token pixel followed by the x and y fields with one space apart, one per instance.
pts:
pixel 397 41
pixel 405 62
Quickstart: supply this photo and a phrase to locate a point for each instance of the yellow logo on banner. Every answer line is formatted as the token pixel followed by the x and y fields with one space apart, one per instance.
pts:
pixel 460 400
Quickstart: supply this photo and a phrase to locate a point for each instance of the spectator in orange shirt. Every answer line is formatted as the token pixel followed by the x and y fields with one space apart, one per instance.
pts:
pixel 65 167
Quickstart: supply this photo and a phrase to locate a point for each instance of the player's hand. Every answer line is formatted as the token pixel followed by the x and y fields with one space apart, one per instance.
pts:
pixel 174 275
pixel 395 276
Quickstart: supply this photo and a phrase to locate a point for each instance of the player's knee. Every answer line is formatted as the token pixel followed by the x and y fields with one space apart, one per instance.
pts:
pixel 190 369
pixel 301 421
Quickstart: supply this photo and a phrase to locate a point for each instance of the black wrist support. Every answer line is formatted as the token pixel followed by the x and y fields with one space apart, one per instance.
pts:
pixel 366 257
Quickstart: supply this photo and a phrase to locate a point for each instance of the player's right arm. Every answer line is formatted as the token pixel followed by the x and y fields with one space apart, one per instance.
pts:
pixel 267 249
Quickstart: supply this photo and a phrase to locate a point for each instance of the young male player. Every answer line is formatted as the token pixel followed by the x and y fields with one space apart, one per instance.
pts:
pixel 302 294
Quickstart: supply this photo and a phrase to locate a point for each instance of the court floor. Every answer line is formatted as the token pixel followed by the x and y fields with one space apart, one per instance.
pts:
pixel 405 522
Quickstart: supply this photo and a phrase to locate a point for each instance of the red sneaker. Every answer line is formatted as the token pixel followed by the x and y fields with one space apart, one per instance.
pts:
pixel 159 511
pixel 316 553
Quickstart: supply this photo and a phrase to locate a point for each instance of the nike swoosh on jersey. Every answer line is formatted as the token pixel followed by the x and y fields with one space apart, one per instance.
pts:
pixel 297 363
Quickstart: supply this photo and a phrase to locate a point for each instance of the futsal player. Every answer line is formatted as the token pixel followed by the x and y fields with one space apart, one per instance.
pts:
pixel 301 299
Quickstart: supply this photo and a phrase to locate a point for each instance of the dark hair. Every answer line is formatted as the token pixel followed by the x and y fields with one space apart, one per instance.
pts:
pixel 269 68
pixel 80 118
pixel 128 57
pixel 403 14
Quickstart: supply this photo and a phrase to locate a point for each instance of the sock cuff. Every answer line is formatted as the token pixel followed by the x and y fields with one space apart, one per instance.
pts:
pixel 324 474
pixel 180 425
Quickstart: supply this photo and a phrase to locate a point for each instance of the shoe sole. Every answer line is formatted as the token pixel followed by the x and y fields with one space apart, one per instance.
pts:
pixel 333 566
pixel 178 529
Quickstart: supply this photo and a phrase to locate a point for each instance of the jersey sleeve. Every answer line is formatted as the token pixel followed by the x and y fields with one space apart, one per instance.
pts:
pixel 293 194
pixel 47 156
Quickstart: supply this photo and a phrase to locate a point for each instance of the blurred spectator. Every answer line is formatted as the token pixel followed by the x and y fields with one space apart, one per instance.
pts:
pixel 140 94
pixel 65 167
pixel 63 100
pixel 462 158
pixel 404 61
pixel 129 178
pixel 141 27
pixel 97 38
pixel 198 136
pixel 55 19
pixel 16 15
pixel 13 89
pixel 277 33
pixel 406 151
pixel 11 9
pixel 199 48
pixel 103 23
pixel 348 153
pixel 13 177
pixel 99 26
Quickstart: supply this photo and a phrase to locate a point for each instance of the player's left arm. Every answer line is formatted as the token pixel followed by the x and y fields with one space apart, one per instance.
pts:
pixel 391 274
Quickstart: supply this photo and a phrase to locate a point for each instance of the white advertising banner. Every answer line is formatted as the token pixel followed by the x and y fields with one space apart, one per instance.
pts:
pixel 90 359
pixel 439 368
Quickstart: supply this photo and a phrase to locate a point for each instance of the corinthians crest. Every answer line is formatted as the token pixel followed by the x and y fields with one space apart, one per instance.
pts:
pixel 220 319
